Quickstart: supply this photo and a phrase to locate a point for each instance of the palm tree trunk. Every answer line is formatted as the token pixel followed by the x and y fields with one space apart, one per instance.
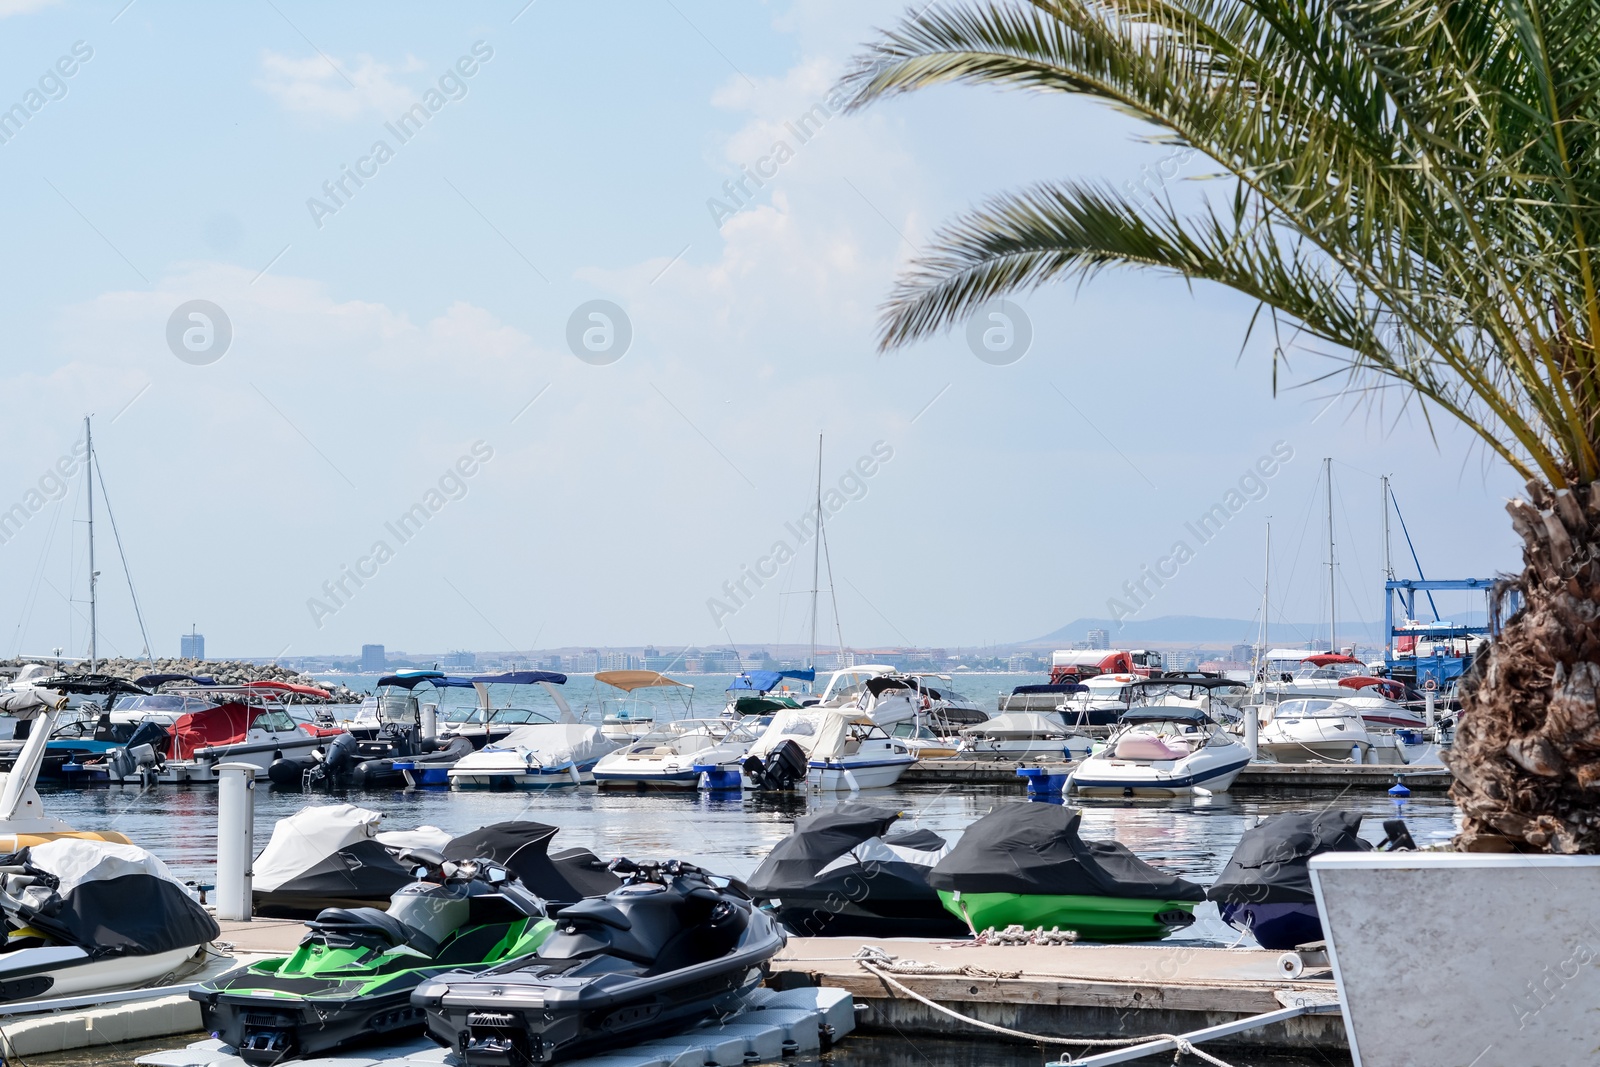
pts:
pixel 1527 753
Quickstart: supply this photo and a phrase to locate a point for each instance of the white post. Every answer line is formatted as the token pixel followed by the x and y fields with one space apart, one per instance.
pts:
pixel 1252 729
pixel 1427 704
pixel 430 722
pixel 236 819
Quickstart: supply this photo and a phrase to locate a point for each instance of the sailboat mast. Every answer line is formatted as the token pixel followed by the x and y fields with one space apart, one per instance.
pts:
pixel 1266 600
pixel 88 491
pixel 1388 562
pixel 1333 641
pixel 816 557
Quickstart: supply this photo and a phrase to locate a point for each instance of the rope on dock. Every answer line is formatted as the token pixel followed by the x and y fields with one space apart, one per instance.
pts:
pixel 879 963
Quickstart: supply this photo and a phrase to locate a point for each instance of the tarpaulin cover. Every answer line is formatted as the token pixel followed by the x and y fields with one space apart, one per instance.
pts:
pixel 1035 849
pixel 523 847
pixel 761 681
pixel 225 724
pixel 322 856
pixel 1269 865
pixel 816 841
pixel 112 900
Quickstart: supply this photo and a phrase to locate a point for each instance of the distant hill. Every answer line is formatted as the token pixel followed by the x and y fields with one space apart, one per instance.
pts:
pixel 1199 630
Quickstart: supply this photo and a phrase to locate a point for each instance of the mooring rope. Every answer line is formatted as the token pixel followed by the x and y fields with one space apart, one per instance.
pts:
pixel 877 962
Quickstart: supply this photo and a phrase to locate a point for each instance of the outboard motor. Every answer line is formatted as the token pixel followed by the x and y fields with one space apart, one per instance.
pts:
pixel 784 768
pixel 142 755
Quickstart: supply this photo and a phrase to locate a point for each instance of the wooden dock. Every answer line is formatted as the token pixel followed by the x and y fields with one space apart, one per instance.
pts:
pixel 1070 992
pixel 1257 776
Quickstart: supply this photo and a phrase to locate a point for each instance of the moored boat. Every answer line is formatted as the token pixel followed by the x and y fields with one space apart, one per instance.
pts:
pixel 1159 750
pixel 837 747
pixel 1265 890
pixel 1024 865
pixel 676 754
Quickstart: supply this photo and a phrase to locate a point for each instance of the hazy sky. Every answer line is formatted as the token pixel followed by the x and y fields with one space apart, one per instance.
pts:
pixel 399 316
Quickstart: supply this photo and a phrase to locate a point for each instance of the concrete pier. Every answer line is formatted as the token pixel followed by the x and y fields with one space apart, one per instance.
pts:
pixel 1072 991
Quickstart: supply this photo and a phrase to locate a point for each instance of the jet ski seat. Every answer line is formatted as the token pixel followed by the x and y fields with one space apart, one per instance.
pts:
pixel 354 922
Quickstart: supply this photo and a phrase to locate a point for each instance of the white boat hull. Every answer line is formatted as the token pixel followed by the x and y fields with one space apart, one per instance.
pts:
pixel 1210 771
pixel 521 778
pixel 71 972
pixel 831 776
pixel 260 754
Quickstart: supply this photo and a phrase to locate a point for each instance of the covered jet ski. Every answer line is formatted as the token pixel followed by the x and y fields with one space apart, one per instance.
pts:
pixel 1025 864
pixel 668 948
pixel 325 856
pixel 84 915
pixel 842 874
pixel 1265 889
pixel 352 975
pixel 523 848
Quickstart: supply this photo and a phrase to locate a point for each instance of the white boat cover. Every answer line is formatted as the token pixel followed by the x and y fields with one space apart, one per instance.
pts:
pixel 1018 725
pixel 110 900
pixel 307 838
pixel 30 703
pixel 550 743
pixel 821 732
pixel 422 837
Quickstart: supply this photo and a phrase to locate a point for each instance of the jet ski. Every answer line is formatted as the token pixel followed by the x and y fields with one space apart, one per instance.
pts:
pixel 352 975
pixel 1024 864
pixel 671 946
pixel 1265 890
pixel 326 856
pixel 842 874
pixel 523 848
pixel 82 916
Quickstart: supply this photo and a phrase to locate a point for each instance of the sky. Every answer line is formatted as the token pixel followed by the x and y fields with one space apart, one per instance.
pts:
pixel 450 326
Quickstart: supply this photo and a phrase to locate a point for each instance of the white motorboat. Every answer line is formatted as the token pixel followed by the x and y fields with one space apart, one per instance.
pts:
pixel 1102 700
pixel 632 716
pixel 1162 751
pixel 675 756
pixel 1023 735
pixel 537 756
pixel 839 748
pixel 1328 675
pixel 1314 730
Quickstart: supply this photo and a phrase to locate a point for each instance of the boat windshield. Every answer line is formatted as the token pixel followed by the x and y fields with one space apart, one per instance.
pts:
pixel 517 717
pixel 159 702
pixel 397 706
pixel 1303 708
pixel 1331 671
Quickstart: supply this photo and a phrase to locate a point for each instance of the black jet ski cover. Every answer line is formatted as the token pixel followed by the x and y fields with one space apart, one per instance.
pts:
pixel 1269 865
pixel 522 846
pixel 1034 849
pixel 817 841
pixel 105 898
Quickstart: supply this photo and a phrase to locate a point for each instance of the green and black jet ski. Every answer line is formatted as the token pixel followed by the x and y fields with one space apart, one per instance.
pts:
pixel 352 975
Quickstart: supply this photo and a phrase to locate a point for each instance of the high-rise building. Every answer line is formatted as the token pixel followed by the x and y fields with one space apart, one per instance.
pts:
pixel 1099 638
pixel 373 661
pixel 460 659
pixel 193 645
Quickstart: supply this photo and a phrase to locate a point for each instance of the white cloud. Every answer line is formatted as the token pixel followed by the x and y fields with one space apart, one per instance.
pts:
pixel 24 7
pixel 311 86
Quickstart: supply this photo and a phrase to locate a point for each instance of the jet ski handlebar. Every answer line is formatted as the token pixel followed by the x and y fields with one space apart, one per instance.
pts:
pixel 664 872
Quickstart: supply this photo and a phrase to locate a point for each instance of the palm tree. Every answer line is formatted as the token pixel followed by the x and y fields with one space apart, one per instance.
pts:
pixel 1415 184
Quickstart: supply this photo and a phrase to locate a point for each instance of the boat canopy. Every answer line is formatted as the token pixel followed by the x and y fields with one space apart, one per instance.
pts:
pixel 1331 658
pixel 1165 713
pixel 628 681
pixel 1292 653
pixel 1051 687
pixel 1198 681
pixel 762 681
pixel 1035 850
pixel 288 687
pixel 150 681
pixel 514 678
pixel 409 679
pixel 30 703
pixel 1269 865
pixel 88 683
pixel 1018 725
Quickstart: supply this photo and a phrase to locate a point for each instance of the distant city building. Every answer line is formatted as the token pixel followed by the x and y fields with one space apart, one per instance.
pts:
pixel 193 645
pixel 621 661
pixel 585 662
pixel 460 659
pixel 659 661
pixel 1242 653
pixel 1181 661
pixel 1017 663
pixel 373 661
pixel 1099 639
